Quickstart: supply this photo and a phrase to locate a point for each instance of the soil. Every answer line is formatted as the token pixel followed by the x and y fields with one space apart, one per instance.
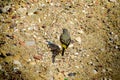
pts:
pixel 30 48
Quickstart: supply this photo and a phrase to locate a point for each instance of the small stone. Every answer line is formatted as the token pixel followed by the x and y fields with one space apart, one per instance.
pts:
pixel 17 63
pixel 29 60
pixel 87 55
pixel 84 11
pixel 81 66
pixel 77 66
pixel 30 43
pixel 104 70
pixel 37 57
pixel 109 69
pixel 5 9
pixel 72 56
pixel 102 49
pixel 91 63
pixel 78 39
pixel 95 71
pixel 15 69
pixel 71 74
pixel 112 0
pixel 76 53
pixel 32 63
pixel 22 11
pixel 116 37
pixel 81 31
pixel 111 33
pixel 71 45
pixel 116 47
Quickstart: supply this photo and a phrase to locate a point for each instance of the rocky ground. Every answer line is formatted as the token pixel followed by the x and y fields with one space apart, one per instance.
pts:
pixel 30 47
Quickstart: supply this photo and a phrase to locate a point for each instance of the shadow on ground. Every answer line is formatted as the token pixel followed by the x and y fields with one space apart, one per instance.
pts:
pixel 54 49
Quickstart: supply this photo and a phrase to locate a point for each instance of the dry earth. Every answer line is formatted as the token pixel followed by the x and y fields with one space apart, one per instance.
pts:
pixel 30 47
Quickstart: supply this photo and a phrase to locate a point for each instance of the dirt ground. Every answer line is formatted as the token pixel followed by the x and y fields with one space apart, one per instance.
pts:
pixel 30 48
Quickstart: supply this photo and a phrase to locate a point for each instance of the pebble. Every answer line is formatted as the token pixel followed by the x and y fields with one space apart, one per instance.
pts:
pixel 77 66
pixel 71 45
pixel 102 49
pixel 17 63
pixel 87 55
pixel 78 39
pixel 15 69
pixel 81 66
pixel 112 0
pixel 116 37
pixel 22 11
pixel 109 69
pixel 37 57
pixel 29 60
pixel 72 56
pixel 76 53
pixel 104 70
pixel 81 31
pixel 95 71
pixel 111 33
pixel 30 43
pixel 31 28
pixel 84 11
pixel 32 63
pixel 71 74
pixel 91 63
pixel 116 47
pixel 5 9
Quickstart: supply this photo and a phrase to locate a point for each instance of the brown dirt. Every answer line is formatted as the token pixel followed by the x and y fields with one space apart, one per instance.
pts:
pixel 30 47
